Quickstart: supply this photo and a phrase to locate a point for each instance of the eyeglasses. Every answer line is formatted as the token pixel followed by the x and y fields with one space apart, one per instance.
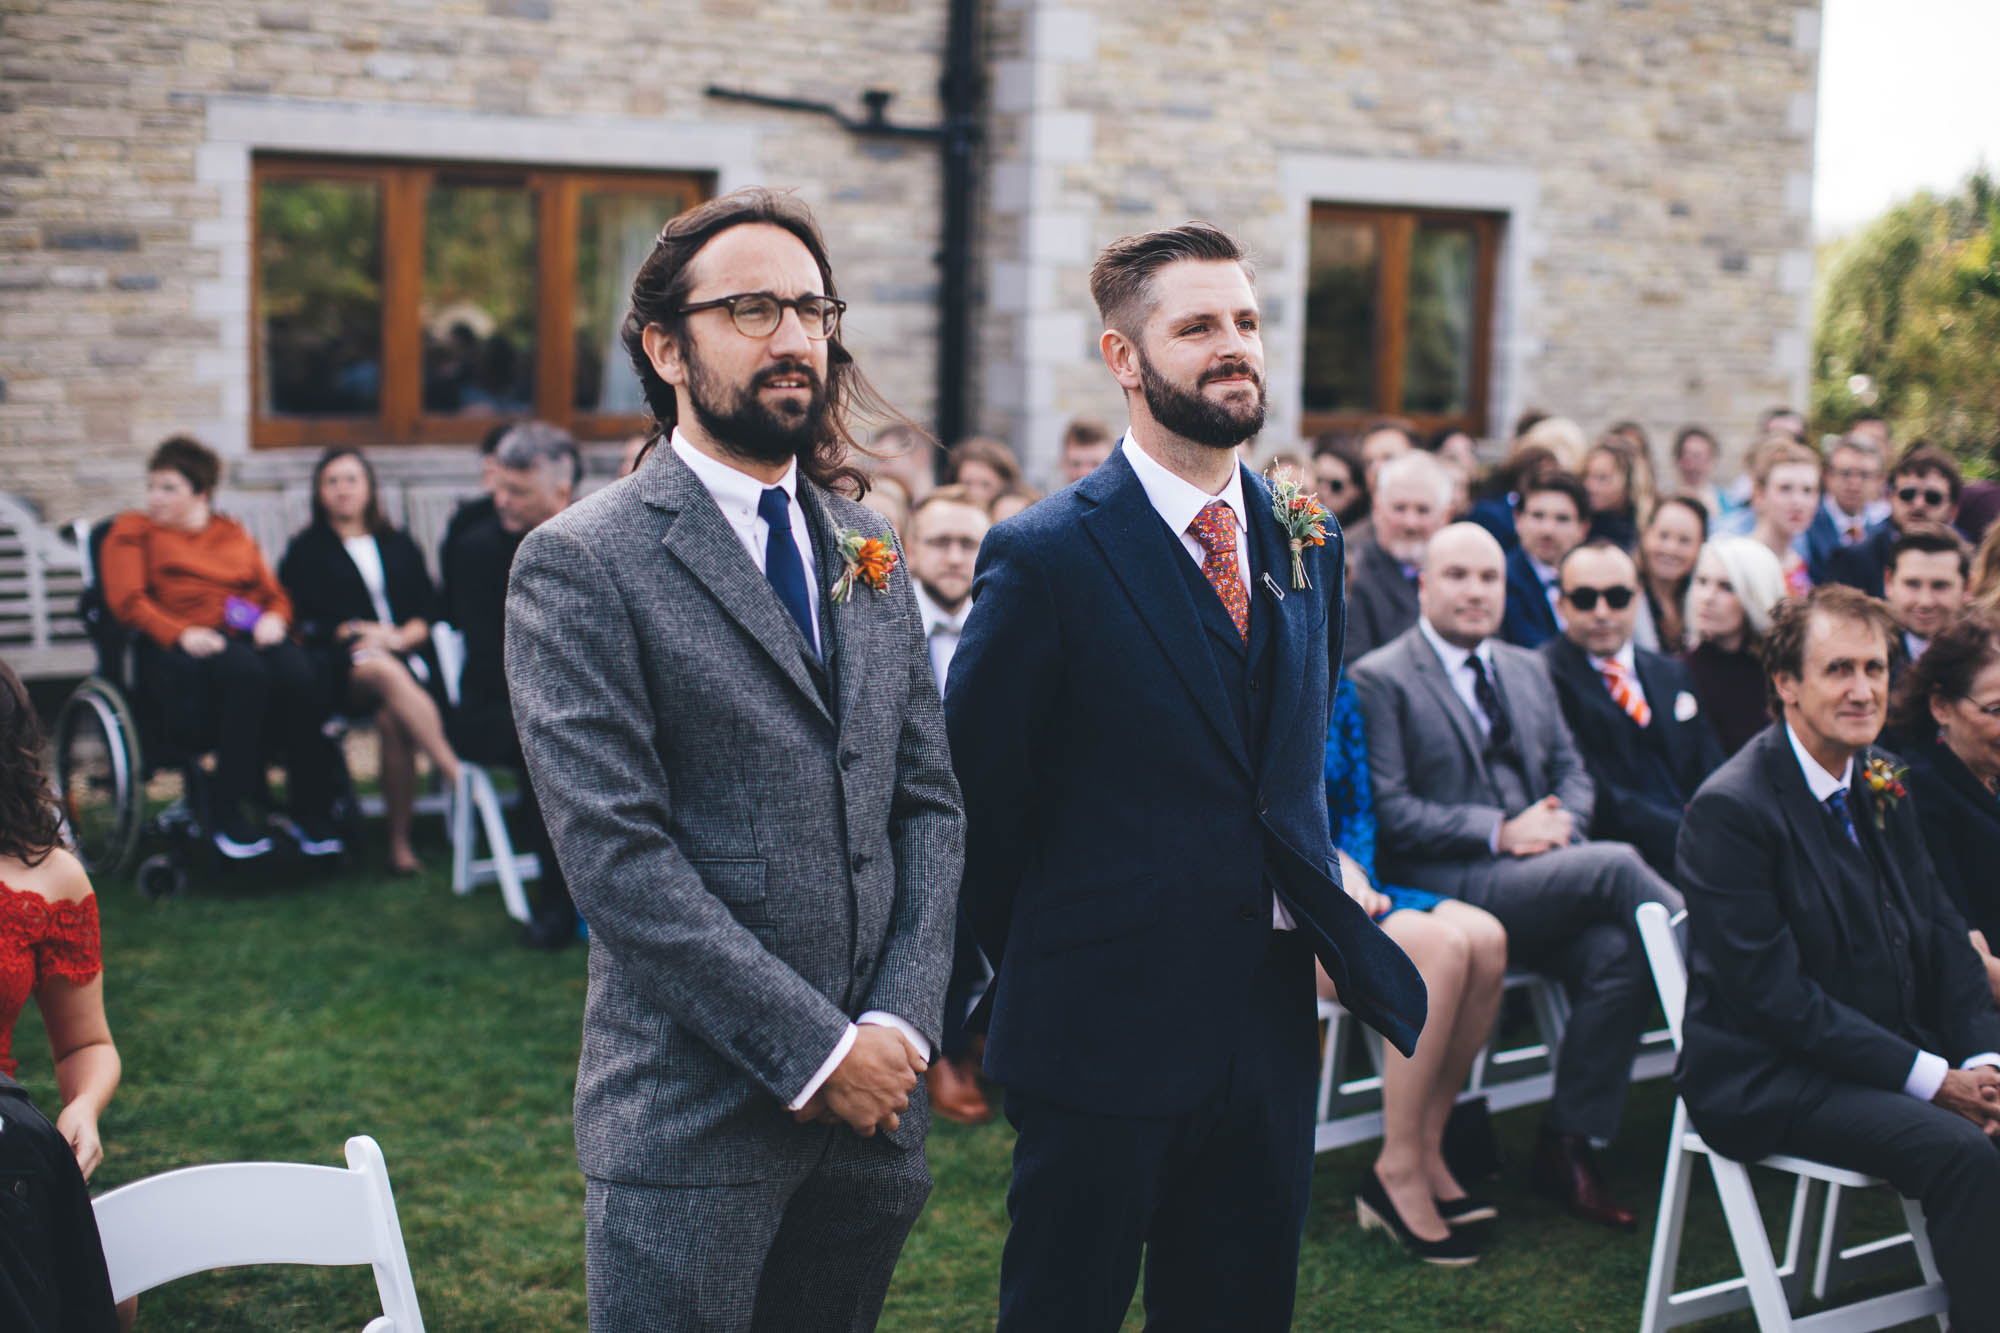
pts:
pixel 1991 710
pixel 1585 599
pixel 757 314
pixel 1908 495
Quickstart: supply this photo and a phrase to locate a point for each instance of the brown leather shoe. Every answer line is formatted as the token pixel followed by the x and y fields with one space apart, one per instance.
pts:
pixel 954 1089
pixel 1566 1171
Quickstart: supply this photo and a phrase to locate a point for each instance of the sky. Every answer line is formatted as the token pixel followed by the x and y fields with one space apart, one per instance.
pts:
pixel 1909 99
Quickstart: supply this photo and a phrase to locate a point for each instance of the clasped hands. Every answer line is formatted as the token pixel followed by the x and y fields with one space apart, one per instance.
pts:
pixel 202 641
pixel 364 637
pixel 1974 1094
pixel 1541 827
pixel 870 1085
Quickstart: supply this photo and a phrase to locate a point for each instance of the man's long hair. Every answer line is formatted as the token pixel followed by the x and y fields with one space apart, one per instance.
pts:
pixel 661 287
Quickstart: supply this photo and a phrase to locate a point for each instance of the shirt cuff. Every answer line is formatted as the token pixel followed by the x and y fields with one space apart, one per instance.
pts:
pixel 840 1050
pixel 1927 1073
pixel 1989 1058
pixel 1493 838
pixel 917 1039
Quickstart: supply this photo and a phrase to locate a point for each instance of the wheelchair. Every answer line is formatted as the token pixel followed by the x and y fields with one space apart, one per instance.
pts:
pixel 109 746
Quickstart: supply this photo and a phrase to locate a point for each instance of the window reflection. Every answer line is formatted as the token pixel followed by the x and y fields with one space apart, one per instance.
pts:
pixel 319 297
pixel 478 307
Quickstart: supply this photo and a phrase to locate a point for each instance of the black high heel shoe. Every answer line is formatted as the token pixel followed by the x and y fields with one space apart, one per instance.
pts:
pixel 1464 1211
pixel 1374 1211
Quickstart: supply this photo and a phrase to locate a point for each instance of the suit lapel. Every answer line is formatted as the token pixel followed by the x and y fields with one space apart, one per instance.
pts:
pixel 1812 827
pixel 1516 690
pixel 1431 671
pixel 844 625
pixel 1137 547
pixel 1281 615
pixel 701 539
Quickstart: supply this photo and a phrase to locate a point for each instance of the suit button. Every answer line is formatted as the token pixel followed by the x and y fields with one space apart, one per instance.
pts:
pixel 863 964
pixel 1249 915
pixel 1254 687
pixel 860 860
pixel 848 758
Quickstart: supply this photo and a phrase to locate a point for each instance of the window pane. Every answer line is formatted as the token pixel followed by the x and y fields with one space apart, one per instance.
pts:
pixel 1437 360
pixel 1341 317
pixel 478 308
pixel 614 234
pixel 319 297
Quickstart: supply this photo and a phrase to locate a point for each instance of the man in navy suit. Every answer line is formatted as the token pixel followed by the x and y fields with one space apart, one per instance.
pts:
pixel 1552 519
pixel 1853 503
pixel 1138 711
pixel 1638 726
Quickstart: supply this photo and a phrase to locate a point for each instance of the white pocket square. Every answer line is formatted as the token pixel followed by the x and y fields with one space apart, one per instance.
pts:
pixel 1685 707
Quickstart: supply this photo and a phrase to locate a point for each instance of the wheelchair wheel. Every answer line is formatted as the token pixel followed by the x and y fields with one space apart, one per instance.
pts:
pixel 100 775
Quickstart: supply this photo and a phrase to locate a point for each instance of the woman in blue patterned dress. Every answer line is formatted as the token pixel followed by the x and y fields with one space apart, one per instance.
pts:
pixel 1461 953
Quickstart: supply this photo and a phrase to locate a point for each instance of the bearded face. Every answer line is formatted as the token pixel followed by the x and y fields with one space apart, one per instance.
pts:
pixel 774 416
pixel 1219 420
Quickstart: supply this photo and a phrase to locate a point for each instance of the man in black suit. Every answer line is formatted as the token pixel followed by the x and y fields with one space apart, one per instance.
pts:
pixel 1552 519
pixel 1836 1009
pixel 1412 501
pixel 1923 488
pixel 1637 724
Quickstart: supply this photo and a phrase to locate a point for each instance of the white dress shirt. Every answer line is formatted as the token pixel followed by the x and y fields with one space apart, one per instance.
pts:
pixel 736 495
pixel 1914 646
pixel 1626 658
pixel 1927 1071
pixel 941 632
pixel 1457 664
pixel 1551 588
pixel 1178 503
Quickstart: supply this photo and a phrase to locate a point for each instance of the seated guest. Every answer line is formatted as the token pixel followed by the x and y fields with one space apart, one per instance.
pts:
pixel 537 469
pixel 1013 500
pixel 983 465
pixel 1924 584
pixel 1339 479
pixel 1634 714
pixel 1381 440
pixel 1835 1010
pixel 364 603
pixel 1552 518
pixel 1496 512
pixel 1737 584
pixel 1947 720
pixel 887 497
pixel 1668 548
pixel 1854 503
pixel 1784 495
pixel 946 529
pixel 1456 449
pixel 479 509
pixel 218 658
pixel 1461 953
pixel 1412 494
pixel 1695 457
pixel 1480 796
pixel 1924 486
pixel 1086 443
pixel 1620 487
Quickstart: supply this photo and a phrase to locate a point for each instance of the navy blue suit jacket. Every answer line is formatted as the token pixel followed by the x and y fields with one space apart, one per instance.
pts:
pixel 1821 540
pixel 1529 620
pixel 1122 842
pixel 1863 564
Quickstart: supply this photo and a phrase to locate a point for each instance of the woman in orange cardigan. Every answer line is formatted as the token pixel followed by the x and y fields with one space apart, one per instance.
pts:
pixel 218 659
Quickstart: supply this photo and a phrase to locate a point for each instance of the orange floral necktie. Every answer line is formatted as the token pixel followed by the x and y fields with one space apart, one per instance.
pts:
pixel 1215 528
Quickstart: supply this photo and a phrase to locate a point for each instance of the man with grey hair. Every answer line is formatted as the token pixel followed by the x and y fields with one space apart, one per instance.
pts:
pixel 1413 494
pixel 536 469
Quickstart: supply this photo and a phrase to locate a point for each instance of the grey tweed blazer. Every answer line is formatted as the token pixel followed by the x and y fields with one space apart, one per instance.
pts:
pixel 765 847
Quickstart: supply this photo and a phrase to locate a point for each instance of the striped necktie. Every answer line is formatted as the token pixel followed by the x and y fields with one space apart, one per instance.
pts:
pixel 1625 693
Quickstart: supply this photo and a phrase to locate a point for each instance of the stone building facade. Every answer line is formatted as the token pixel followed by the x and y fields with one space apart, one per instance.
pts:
pixel 1651 161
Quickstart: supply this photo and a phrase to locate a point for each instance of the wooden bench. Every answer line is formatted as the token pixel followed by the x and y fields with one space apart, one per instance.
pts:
pixel 41 577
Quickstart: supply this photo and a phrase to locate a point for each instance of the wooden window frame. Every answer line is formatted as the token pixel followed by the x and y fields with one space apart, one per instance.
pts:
pixel 403 186
pixel 1395 229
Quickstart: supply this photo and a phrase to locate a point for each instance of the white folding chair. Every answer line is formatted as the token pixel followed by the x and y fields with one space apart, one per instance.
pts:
pixel 476 796
pixel 1770 1289
pixel 205 1217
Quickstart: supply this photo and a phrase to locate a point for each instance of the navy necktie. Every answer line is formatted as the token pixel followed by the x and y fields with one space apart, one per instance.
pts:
pixel 782 564
pixel 1836 805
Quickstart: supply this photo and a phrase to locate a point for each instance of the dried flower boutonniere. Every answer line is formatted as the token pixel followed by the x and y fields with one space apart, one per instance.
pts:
pixel 865 559
pixel 1302 517
pixel 1885 784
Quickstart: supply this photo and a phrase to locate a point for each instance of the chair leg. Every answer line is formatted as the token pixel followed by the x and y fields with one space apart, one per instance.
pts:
pixel 461 830
pixel 506 868
pixel 1753 1245
pixel 1920 1240
pixel 1667 1231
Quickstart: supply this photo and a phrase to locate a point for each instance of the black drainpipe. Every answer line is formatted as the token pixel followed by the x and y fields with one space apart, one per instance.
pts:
pixel 958 137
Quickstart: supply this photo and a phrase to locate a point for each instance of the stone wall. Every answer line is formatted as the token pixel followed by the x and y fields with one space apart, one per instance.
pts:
pixel 1654 158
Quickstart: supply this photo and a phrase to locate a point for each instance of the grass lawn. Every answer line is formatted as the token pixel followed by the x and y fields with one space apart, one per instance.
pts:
pixel 273 1020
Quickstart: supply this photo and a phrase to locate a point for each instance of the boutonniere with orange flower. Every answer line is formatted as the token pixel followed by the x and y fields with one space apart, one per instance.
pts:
pixel 1302 517
pixel 864 559
pixel 1885 784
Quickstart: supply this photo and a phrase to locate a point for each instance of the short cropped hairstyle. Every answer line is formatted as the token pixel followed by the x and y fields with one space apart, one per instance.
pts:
pixel 1594 544
pixel 1686 433
pixel 539 444
pixel 1399 425
pixel 1931 539
pixel 953 494
pixel 984 449
pixel 1421 467
pixel 1558 483
pixel 1085 430
pixel 1785 645
pixel 191 458
pixel 1121 281
pixel 1923 460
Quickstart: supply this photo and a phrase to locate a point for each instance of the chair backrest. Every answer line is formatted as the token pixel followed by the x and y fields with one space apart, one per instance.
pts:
pixel 449 645
pixel 206 1217
pixel 1663 954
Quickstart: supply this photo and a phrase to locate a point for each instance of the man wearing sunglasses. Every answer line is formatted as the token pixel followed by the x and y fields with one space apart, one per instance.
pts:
pixel 1924 487
pixel 1644 739
pixel 730 718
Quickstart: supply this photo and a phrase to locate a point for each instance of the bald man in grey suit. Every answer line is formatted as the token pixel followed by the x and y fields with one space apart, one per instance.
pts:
pixel 747 781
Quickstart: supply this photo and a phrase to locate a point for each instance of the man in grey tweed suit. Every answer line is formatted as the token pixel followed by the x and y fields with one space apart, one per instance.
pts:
pixel 747 782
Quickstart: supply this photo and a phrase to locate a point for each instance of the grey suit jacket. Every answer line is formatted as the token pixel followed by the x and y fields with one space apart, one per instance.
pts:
pixel 1381 602
pixel 765 848
pixel 1435 803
